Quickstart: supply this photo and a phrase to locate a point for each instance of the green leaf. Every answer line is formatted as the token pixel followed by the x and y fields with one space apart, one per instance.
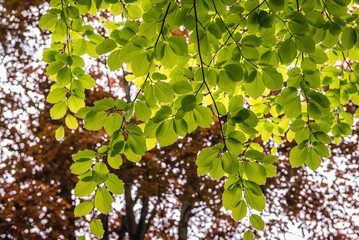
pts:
pixel 254 154
pixel 106 46
pixel 71 122
pixel 216 172
pixel 58 110
pixel 256 87
pixel 98 4
pixel 298 156
pixel 120 104
pixel 75 103
pixel 319 56
pixel 250 52
pixel 234 71
pixel 162 114
pixel 87 81
pixel 245 117
pixel 95 120
pixel 275 6
pixel 322 137
pixel 255 172
pixel 169 59
pixel 321 149
pixel 158 76
pixel 298 23
pixel 287 52
pixel 117 8
pixel 271 171
pixel 230 163
pixel 254 201
pixel 287 96
pixel 181 127
pixel 214 29
pixel 308 65
pixel 293 108
pixel 314 110
pixel 203 116
pixel 349 38
pixel 57 95
pixel 114 61
pixel 84 189
pixel 117 148
pixel 113 123
pixel 64 76
pixel 272 78
pixel 234 102
pixel 140 64
pixel 164 92
pixel 103 200
pixel 269 159
pixel 60 132
pixel 136 140
pixel 297 125
pixel 226 83
pixel 100 173
pixel 231 197
pixel 134 11
pixel 302 135
pixel 104 104
pixel 54 67
pixel 188 103
pixel 142 111
pixel 111 1
pixel 130 155
pixel 305 44
pixel 115 161
pixel 234 142
pixel 96 228
pixel 114 184
pixel 178 45
pixel 89 154
pixel 80 46
pixel 165 134
pixel 81 166
pixel 319 98
pixel 240 211
pixel 208 155
pixel 344 128
pixel 48 20
pixel 248 235
pixel 61 28
pixel 182 87
pixel 257 222
pixel 83 208
pixel 313 160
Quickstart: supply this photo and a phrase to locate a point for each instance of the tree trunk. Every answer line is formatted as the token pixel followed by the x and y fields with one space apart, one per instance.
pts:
pixel 104 220
pixel 184 219
pixel 66 191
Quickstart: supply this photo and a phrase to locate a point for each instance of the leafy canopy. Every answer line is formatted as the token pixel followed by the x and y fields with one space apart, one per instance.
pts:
pixel 261 70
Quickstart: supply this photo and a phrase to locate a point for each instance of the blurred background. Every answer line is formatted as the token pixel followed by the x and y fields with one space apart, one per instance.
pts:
pixel 164 197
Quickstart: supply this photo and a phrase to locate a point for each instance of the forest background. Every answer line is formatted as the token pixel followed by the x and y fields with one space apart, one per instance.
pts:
pixel 165 199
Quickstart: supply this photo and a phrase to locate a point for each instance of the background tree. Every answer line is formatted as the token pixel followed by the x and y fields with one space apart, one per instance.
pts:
pixel 222 225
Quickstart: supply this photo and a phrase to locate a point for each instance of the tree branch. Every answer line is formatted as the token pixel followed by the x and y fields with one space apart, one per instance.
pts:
pixel 203 76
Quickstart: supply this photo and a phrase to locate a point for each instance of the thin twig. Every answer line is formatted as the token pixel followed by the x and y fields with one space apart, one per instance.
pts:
pixel 203 75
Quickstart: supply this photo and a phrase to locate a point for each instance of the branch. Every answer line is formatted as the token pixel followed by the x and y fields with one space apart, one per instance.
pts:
pixel 154 46
pixel 130 215
pixel 153 212
pixel 141 230
pixel 203 76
